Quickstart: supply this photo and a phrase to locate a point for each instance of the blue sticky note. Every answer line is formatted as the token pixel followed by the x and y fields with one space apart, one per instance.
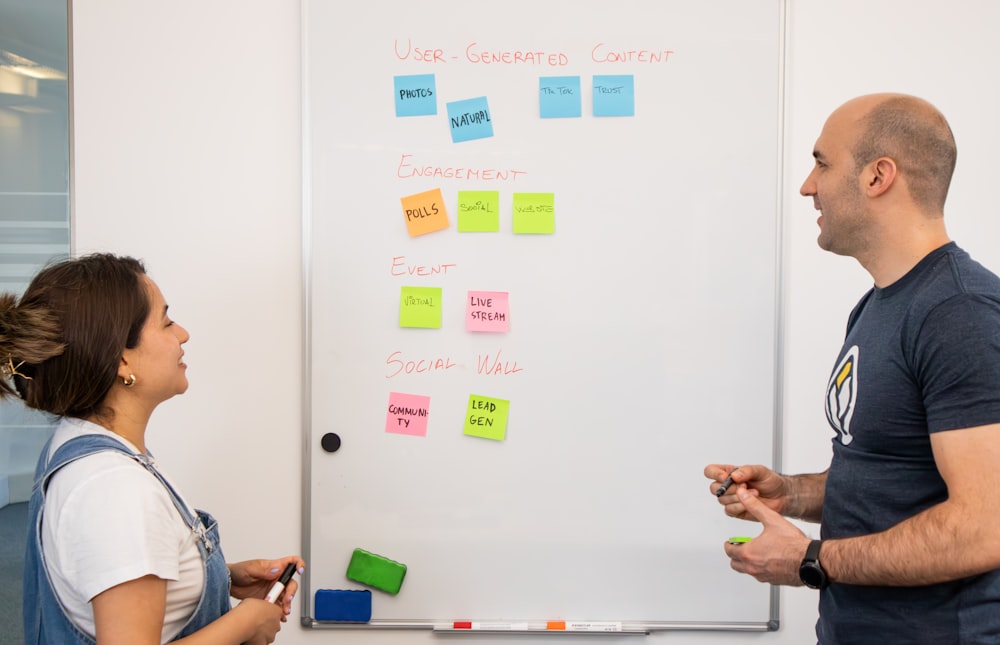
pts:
pixel 470 119
pixel 614 95
pixel 559 96
pixel 415 95
pixel 343 605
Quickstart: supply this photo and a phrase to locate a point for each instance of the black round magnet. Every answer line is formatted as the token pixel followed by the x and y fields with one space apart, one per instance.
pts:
pixel 330 442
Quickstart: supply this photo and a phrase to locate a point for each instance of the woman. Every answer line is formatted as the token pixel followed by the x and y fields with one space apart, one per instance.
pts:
pixel 114 554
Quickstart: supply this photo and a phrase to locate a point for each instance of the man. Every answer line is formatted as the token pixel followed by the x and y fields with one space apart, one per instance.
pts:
pixel 910 529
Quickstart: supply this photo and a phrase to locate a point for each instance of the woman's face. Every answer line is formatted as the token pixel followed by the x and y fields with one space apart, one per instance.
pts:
pixel 156 362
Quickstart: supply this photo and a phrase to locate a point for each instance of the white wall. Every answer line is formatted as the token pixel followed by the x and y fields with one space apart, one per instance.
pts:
pixel 187 154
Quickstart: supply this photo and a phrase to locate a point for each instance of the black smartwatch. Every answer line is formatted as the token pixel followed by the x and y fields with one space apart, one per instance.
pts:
pixel 810 571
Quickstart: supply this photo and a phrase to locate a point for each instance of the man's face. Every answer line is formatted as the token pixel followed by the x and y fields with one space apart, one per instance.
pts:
pixel 835 186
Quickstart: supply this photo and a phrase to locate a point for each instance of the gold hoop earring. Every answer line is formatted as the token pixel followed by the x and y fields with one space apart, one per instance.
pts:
pixel 130 381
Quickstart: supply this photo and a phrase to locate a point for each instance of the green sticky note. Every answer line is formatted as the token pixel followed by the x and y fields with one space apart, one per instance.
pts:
pixel 739 540
pixel 420 307
pixel 376 571
pixel 535 213
pixel 486 417
pixel 478 211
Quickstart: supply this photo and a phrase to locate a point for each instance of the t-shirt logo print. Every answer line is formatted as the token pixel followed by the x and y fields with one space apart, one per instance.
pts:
pixel 842 394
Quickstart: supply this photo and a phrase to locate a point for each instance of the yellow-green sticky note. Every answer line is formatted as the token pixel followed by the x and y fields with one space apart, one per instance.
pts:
pixel 486 417
pixel 420 307
pixel 478 211
pixel 535 213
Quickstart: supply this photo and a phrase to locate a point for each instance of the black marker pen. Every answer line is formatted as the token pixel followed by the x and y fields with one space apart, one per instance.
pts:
pixel 279 584
pixel 721 490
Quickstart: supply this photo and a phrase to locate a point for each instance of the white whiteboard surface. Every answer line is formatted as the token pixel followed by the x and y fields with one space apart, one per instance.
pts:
pixel 635 354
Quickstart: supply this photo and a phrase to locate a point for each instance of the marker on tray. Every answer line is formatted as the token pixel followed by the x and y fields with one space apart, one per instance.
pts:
pixel 583 626
pixel 496 627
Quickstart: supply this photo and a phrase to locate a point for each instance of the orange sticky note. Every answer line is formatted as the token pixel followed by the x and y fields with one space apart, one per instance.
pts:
pixel 424 212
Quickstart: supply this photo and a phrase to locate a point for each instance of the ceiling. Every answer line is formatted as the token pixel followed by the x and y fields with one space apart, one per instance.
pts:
pixel 36 29
pixel 34 60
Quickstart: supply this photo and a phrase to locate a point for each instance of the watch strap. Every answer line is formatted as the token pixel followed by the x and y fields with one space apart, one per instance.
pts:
pixel 812 551
pixel 811 570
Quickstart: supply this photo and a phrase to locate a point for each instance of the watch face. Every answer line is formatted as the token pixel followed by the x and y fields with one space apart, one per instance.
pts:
pixel 812 575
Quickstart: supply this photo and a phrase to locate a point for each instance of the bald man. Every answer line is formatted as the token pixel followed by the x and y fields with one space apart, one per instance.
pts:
pixel 910 526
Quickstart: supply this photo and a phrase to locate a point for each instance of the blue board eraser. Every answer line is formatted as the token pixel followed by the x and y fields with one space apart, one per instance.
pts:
pixel 343 605
pixel 376 571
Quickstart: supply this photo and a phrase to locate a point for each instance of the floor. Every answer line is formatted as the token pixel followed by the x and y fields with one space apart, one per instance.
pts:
pixel 13 522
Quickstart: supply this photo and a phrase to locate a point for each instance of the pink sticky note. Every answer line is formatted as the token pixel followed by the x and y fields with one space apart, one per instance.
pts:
pixel 487 311
pixel 407 414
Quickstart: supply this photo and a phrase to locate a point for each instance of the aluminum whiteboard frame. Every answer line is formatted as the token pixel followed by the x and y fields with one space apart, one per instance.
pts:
pixel 444 628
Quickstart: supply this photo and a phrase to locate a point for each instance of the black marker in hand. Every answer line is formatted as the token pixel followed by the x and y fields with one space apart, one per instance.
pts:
pixel 279 584
pixel 721 490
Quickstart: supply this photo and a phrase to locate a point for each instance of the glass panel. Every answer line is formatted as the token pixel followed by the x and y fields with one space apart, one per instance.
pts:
pixel 34 227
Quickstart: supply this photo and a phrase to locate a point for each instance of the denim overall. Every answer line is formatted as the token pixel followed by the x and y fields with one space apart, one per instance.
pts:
pixel 44 618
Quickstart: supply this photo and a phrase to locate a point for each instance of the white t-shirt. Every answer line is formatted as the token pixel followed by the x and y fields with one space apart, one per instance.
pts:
pixel 107 520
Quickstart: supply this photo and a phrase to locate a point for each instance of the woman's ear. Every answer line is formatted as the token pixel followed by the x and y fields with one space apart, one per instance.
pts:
pixel 123 370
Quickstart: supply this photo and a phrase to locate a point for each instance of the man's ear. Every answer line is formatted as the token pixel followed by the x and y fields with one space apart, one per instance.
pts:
pixel 880 175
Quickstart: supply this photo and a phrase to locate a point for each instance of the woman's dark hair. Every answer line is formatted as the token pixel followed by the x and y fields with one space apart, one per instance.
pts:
pixel 62 342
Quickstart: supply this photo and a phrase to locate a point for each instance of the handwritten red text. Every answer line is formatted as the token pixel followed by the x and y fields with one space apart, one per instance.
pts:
pixel 407 170
pixel 601 53
pixel 402 268
pixel 399 365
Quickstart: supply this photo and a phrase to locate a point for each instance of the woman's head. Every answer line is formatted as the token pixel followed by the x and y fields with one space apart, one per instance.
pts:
pixel 62 343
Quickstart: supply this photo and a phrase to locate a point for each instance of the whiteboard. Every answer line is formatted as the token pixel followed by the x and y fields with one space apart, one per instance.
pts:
pixel 641 338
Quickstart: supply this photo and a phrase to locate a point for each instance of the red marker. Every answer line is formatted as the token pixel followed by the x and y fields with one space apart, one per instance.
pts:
pixel 490 627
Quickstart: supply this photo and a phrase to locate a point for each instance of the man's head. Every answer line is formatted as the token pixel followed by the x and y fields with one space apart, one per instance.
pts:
pixel 916 135
pixel 880 153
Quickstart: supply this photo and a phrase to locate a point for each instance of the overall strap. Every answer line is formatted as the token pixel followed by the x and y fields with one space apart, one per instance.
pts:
pixel 86 445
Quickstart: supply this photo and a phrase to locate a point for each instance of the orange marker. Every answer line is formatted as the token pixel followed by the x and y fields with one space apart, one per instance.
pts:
pixel 556 625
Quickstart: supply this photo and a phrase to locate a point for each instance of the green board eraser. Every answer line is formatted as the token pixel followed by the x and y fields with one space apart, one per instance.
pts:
pixel 376 571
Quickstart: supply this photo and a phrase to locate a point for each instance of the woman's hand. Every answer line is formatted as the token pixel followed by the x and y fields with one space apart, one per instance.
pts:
pixel 254 578
pixel 259 619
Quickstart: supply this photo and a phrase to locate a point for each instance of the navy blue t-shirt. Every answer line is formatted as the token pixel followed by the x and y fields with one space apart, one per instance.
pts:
pixel 920 356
